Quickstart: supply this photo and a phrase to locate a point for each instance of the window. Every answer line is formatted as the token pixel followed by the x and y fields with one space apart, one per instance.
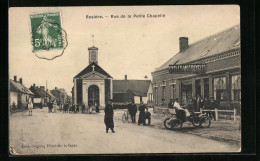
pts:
pixel 236 88
pixel 93 56
pixel 186 92
pixel 219 88
pixel 163 83
pixel 150 97
pixel 173 92
pixel 156 96
pixel 163 92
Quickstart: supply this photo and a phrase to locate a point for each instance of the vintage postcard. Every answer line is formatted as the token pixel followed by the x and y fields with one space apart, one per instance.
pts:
pixel 124 79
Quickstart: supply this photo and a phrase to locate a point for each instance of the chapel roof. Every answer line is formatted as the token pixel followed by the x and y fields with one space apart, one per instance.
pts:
pixel 89 69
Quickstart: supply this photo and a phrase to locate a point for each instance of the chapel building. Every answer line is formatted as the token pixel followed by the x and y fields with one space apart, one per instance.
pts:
pixel 93 85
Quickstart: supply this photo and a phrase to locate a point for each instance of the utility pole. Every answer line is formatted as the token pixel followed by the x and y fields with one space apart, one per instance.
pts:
pixel 46 92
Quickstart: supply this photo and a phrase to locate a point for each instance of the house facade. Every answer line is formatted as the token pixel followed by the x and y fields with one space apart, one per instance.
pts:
pixel 41 96
pixel 19 94
pixel 210 67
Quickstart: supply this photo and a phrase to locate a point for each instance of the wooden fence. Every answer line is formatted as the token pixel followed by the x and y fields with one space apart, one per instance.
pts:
pixel 165 111
pixel 216 111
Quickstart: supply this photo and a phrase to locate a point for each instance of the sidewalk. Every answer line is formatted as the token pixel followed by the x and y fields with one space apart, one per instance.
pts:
pixel 222 130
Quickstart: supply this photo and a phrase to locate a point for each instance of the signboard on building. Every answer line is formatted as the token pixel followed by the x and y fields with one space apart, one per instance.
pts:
pixel 187 68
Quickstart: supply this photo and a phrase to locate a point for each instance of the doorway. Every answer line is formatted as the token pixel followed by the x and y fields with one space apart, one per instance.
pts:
pixel 186 92
pixel 197 88
pixel 93 95
pixel 206 87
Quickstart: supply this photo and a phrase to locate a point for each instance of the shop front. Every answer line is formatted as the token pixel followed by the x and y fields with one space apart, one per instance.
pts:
pixel 224 87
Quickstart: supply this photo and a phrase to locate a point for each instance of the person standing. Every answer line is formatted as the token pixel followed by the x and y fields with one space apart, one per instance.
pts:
pixel 50 106
pixel 73 107
pixel 77 108
pixel 206 106
pixel 199 103
pixel 170 104
pixel 109 114
pixel 30 106
pixel 134 111
pixel 141 119
pixel 212 105
pixel 129 110
pixel 194 101
pixel 97 107
pixel 54 106
pixel 148 116
pixel 83 108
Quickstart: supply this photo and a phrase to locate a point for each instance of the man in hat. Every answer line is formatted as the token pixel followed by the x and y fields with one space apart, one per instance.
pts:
pixel 50 104
pixel 170 104
pixel 130 108
pixel 212 105
pixel 109 113
pixel 141 119
pixel 134 111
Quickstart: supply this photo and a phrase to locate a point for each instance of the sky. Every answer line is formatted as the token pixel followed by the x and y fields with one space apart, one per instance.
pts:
pixel 127 46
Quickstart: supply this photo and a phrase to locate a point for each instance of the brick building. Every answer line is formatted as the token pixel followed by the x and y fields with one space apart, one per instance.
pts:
pixel 220 53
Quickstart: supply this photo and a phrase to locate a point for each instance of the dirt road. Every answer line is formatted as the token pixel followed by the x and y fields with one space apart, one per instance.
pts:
pixel 59 133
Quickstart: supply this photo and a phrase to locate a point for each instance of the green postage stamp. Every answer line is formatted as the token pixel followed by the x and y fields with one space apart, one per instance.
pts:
pixel 47 33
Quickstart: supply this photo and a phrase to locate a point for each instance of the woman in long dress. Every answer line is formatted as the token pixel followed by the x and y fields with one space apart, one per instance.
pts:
pixel 30 106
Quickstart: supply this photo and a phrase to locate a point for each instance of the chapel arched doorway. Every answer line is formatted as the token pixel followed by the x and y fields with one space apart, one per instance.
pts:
pixel 93 94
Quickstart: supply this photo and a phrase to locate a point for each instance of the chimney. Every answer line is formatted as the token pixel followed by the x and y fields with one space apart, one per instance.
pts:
pixel 21 80
pixel 125 77
pixel 15 78
pixel 184 43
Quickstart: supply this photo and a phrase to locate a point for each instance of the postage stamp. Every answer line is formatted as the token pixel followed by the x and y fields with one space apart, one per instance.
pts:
pixel 47 33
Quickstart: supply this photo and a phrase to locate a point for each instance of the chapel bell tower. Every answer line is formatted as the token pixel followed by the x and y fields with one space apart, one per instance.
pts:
pixel 93 54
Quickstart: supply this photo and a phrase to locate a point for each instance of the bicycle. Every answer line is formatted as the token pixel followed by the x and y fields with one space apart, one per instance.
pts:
pixel 126 117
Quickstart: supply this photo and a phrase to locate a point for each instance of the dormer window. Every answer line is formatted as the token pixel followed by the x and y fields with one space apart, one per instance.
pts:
pixel 163 84
pixel 173 82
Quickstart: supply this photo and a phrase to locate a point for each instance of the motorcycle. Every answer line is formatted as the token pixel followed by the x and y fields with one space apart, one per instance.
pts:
pixel 176 120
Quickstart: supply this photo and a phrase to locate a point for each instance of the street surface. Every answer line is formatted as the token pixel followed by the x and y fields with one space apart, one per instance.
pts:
pixel 66 133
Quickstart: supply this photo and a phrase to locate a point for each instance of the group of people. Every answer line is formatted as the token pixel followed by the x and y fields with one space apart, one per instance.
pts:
pixel 132 108
pixel 195 105
pixel 143 113
pixel 52 106
pixel 80 109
